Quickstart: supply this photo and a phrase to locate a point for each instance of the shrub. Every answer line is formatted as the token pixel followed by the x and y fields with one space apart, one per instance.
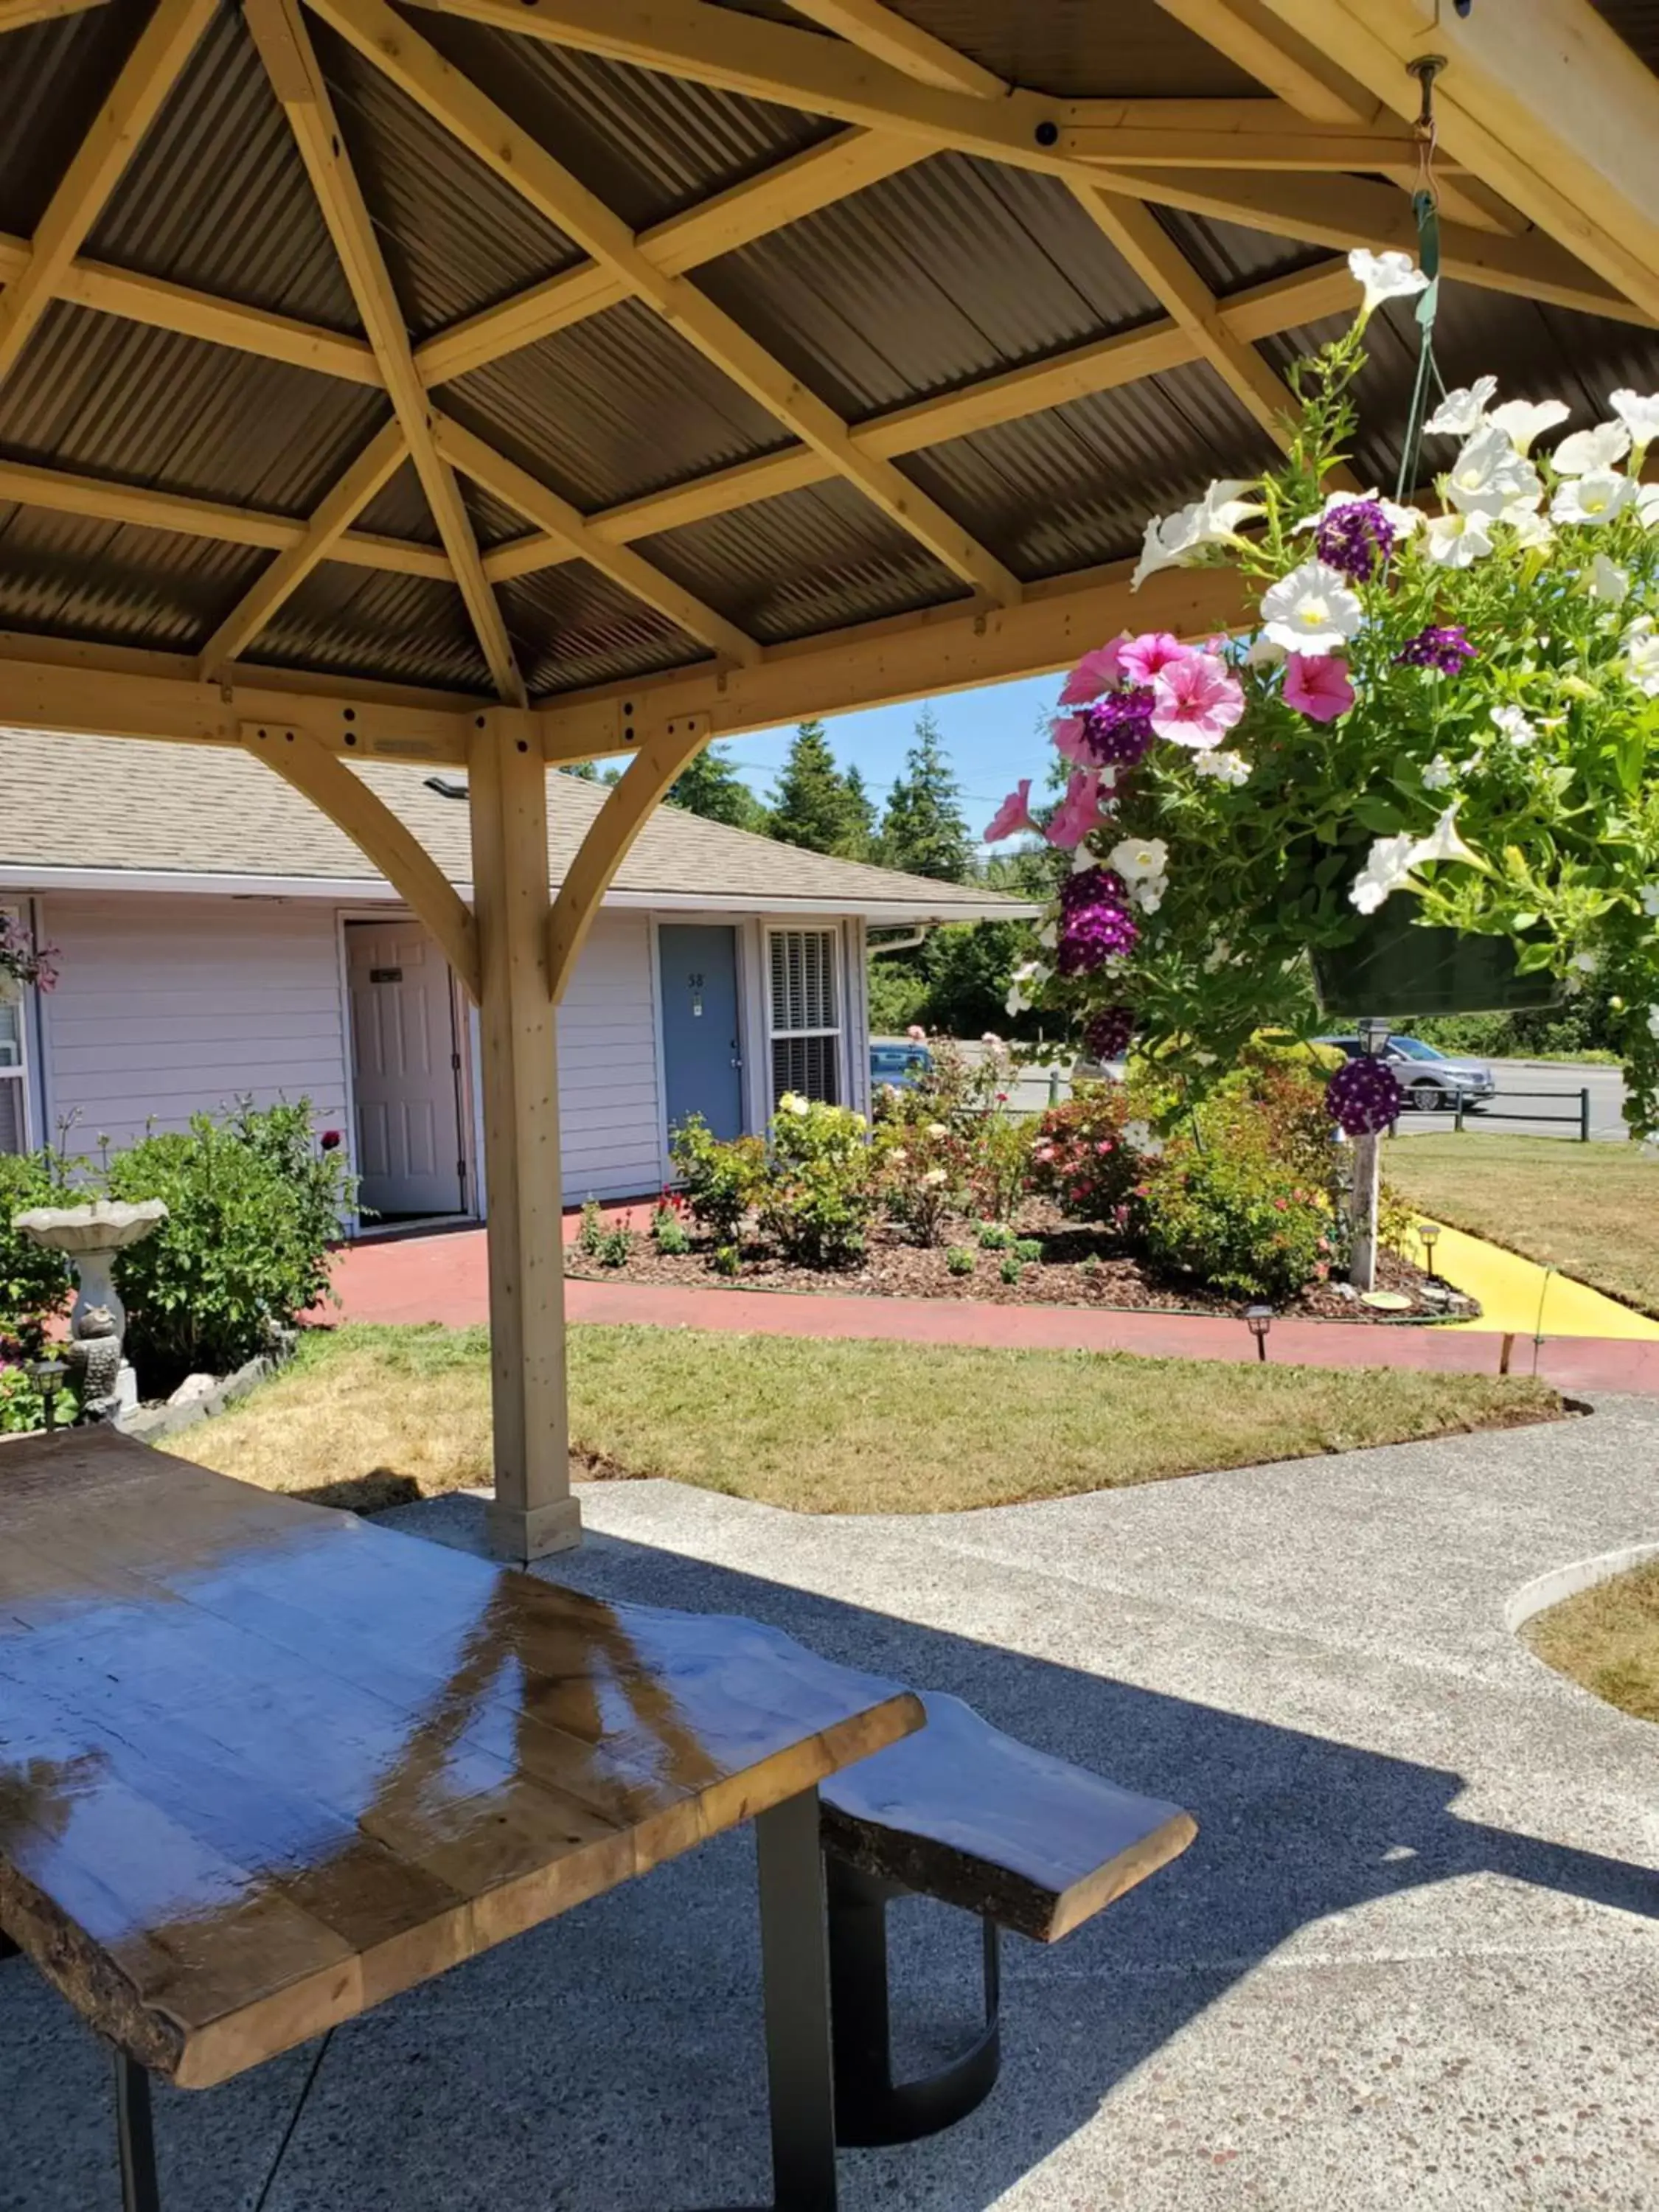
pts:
pixel 1235 1221
pixel 922 1175
pixel 1029 1248
pixel 1010 1269
pixel 34 1284
pixel 616 1248
pixel 960 1259
pixel 670 1236
pixel 728 1259
pixel 1083 1158
pixel 999 1161
pixel 590 1235
pixel 822 1190
pixel 244 1250
pixel 722 1179
pixel 995 1237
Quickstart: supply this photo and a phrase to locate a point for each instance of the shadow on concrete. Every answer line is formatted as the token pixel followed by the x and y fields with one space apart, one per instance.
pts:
pixel 612 2062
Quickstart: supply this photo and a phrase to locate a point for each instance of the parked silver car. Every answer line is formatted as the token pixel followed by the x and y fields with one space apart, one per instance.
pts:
pixel 1430 1078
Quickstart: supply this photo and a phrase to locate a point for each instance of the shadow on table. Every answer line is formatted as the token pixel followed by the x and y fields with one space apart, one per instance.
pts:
pixel 612 2061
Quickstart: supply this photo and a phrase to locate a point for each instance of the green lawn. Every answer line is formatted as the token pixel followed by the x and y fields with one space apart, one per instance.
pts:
pixel 368 1416
pixel 1607 1639
pixel 1590 1210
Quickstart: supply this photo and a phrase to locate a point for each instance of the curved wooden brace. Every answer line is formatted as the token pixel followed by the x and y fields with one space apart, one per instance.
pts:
pixel 376 831
pixel 657 764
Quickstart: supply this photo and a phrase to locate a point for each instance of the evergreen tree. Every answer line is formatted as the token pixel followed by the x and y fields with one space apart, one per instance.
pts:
pixel 862 814
pixel 924 829
pixel 812 805
pixel 712 788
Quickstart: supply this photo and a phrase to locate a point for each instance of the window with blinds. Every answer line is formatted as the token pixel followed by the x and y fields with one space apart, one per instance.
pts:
pixel 805 970
pixel 14 1122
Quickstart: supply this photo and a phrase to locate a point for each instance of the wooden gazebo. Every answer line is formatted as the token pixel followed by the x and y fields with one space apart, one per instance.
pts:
pixel 509 382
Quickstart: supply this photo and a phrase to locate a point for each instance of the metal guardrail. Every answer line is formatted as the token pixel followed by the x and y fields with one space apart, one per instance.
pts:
pixel 1491 1104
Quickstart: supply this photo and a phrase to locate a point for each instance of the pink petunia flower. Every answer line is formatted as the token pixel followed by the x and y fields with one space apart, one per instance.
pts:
pixel 1196 701
pixel 1156 649
pixel 1316 685
pixel 1078 812
pixel 1095 672
pixel 1013 815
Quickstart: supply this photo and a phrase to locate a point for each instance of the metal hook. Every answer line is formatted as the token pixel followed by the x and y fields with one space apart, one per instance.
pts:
pixel 1425 68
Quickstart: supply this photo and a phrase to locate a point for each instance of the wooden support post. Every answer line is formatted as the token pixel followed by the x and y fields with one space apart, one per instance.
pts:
pixel 533 1512
pixel 1367 1168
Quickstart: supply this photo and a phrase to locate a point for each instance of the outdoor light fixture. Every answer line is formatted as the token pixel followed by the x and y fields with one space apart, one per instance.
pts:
pixel 1429 1234
pixel 49 1375
pixel 1259 1320
pixel 1374 1035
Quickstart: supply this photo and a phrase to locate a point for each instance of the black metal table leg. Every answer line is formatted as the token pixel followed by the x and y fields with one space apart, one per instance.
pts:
pixel 134 2137
pixel 795 1983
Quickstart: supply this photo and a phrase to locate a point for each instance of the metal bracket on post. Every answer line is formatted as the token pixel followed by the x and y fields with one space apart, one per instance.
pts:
pixel 134 2137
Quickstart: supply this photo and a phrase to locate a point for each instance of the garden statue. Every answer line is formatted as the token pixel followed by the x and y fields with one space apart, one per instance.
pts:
pixel 91 1235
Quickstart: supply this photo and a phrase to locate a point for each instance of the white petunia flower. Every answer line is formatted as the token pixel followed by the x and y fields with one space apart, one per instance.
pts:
pixel 1522 419
pixel 1515 725
pixel 1592 452
pixel 1532 530
pixel 1169 539
pixel 1221 510
pixel 1639 413
pixel 1388 865
pixel 1438 773
pixel 1212 520
pixel 1597 496
pixel 1266 652
pixel 1489 476
pixel 1650 901
pixel 1139 858
pixel 1384 276
pixel 1442 841
pixel 1642 656
pixel 1647 505
pixel 1149 896
pixel 1312 610
pixel 1461 413
pixel 1226 767
pixel 1458 541
pixel 1608 581
pixel 1027 982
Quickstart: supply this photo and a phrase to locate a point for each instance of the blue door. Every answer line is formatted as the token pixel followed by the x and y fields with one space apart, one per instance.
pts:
pixel 702 1045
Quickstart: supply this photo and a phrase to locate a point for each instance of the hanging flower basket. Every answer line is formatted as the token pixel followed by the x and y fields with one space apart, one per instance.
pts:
pixel 1420 773
pixel 1398 967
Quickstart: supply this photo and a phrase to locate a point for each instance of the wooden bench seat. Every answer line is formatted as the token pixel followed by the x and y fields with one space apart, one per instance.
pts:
pixel 963 1813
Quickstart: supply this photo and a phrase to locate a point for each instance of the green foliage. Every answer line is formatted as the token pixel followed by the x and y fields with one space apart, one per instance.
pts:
pixel 1083 1158
pixel 591 1234
pixel 713 785
pixel 999 1163
pixel 995 1237
pixel 822 1190
pixel 722 1180
pixel 922 1169
pixel 244 1250
pixel 1011 1268
pixel 813 806
pixel 860 841
pixel 669 1231
pixel 1029 1248
pixel 34 1284
pixel 728 1260
pixel 960 1259
pixel 923 828
pixel 899 994
pixel 1235 1221
pixel 616 1248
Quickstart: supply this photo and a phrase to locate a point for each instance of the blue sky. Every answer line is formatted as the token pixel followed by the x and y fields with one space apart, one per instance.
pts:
pixel 991 735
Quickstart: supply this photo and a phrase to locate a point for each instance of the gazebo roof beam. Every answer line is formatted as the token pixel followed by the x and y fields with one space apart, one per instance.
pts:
pixel 490 134
pixel 151 70
pixel 1225 134
pixel 779 196
pixel 901 44
pixel 290 62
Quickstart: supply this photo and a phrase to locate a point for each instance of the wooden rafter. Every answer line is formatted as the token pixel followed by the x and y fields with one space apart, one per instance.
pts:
pixel 659 759
pixel 373 468
pixel 546 185
pixel 736 217
pixel 152 69
pixel 290 62
pixel 59 492
pixel 376 830
pixel 566 524
pixel 1225 134
pixel 902 45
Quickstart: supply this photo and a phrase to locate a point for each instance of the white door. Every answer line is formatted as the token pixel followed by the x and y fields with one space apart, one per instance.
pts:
pixel 405 1070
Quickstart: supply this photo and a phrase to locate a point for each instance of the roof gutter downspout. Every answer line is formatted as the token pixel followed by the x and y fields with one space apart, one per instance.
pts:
pixel 907 941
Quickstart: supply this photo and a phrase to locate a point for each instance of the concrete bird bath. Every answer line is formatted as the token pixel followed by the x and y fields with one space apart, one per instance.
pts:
pixel 90 1237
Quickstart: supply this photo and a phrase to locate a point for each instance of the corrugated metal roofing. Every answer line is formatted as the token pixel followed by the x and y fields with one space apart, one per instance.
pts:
pixel 56 76
pixel 1636 22
pixel 398 509
pixel 67 575
pixel 361 621
pixel 571 626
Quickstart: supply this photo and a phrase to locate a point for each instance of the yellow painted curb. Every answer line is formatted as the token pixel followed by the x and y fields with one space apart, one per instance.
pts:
pixel 1518 1294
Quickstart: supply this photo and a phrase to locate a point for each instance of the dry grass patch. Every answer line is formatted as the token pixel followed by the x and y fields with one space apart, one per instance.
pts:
pixel 367 1416
pixel 1590 1210
pixel 1607 1639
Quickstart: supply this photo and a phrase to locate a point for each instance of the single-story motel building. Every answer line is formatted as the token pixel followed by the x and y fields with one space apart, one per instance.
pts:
pixel 217 937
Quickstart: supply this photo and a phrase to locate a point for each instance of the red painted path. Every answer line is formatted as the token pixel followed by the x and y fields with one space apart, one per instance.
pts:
pixel 443 1279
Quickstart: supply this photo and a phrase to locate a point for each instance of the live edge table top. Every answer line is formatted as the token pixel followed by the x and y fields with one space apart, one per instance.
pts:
pixel 262 1765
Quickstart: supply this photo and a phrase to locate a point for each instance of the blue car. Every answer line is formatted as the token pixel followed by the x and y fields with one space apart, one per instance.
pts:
pixel 902 1065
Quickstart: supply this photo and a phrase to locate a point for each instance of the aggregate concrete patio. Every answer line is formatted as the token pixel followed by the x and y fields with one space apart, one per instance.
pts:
pixel 1409 1962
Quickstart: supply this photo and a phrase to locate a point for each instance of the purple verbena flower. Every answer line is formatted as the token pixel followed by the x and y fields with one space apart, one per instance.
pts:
pixel 1106 1035
pixel 1117 729
pixel 1364 1096
pixel 1355 538
pixel 1442 645
pixel 1094 922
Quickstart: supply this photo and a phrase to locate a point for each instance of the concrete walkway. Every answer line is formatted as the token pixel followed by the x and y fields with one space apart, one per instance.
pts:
pixel 444 1279
pixel 1408 1966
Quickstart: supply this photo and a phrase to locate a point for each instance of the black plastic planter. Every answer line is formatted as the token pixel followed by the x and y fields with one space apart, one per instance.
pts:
pixel 1395 968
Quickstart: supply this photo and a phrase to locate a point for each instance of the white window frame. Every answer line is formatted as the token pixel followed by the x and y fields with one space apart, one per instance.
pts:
pixel 20 1072
pixel 835 1030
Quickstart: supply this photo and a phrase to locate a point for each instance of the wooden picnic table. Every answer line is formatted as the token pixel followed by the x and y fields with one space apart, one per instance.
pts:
pixel 263 1765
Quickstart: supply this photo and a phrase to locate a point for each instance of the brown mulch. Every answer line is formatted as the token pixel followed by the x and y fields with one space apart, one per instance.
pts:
pixel 1080 1267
